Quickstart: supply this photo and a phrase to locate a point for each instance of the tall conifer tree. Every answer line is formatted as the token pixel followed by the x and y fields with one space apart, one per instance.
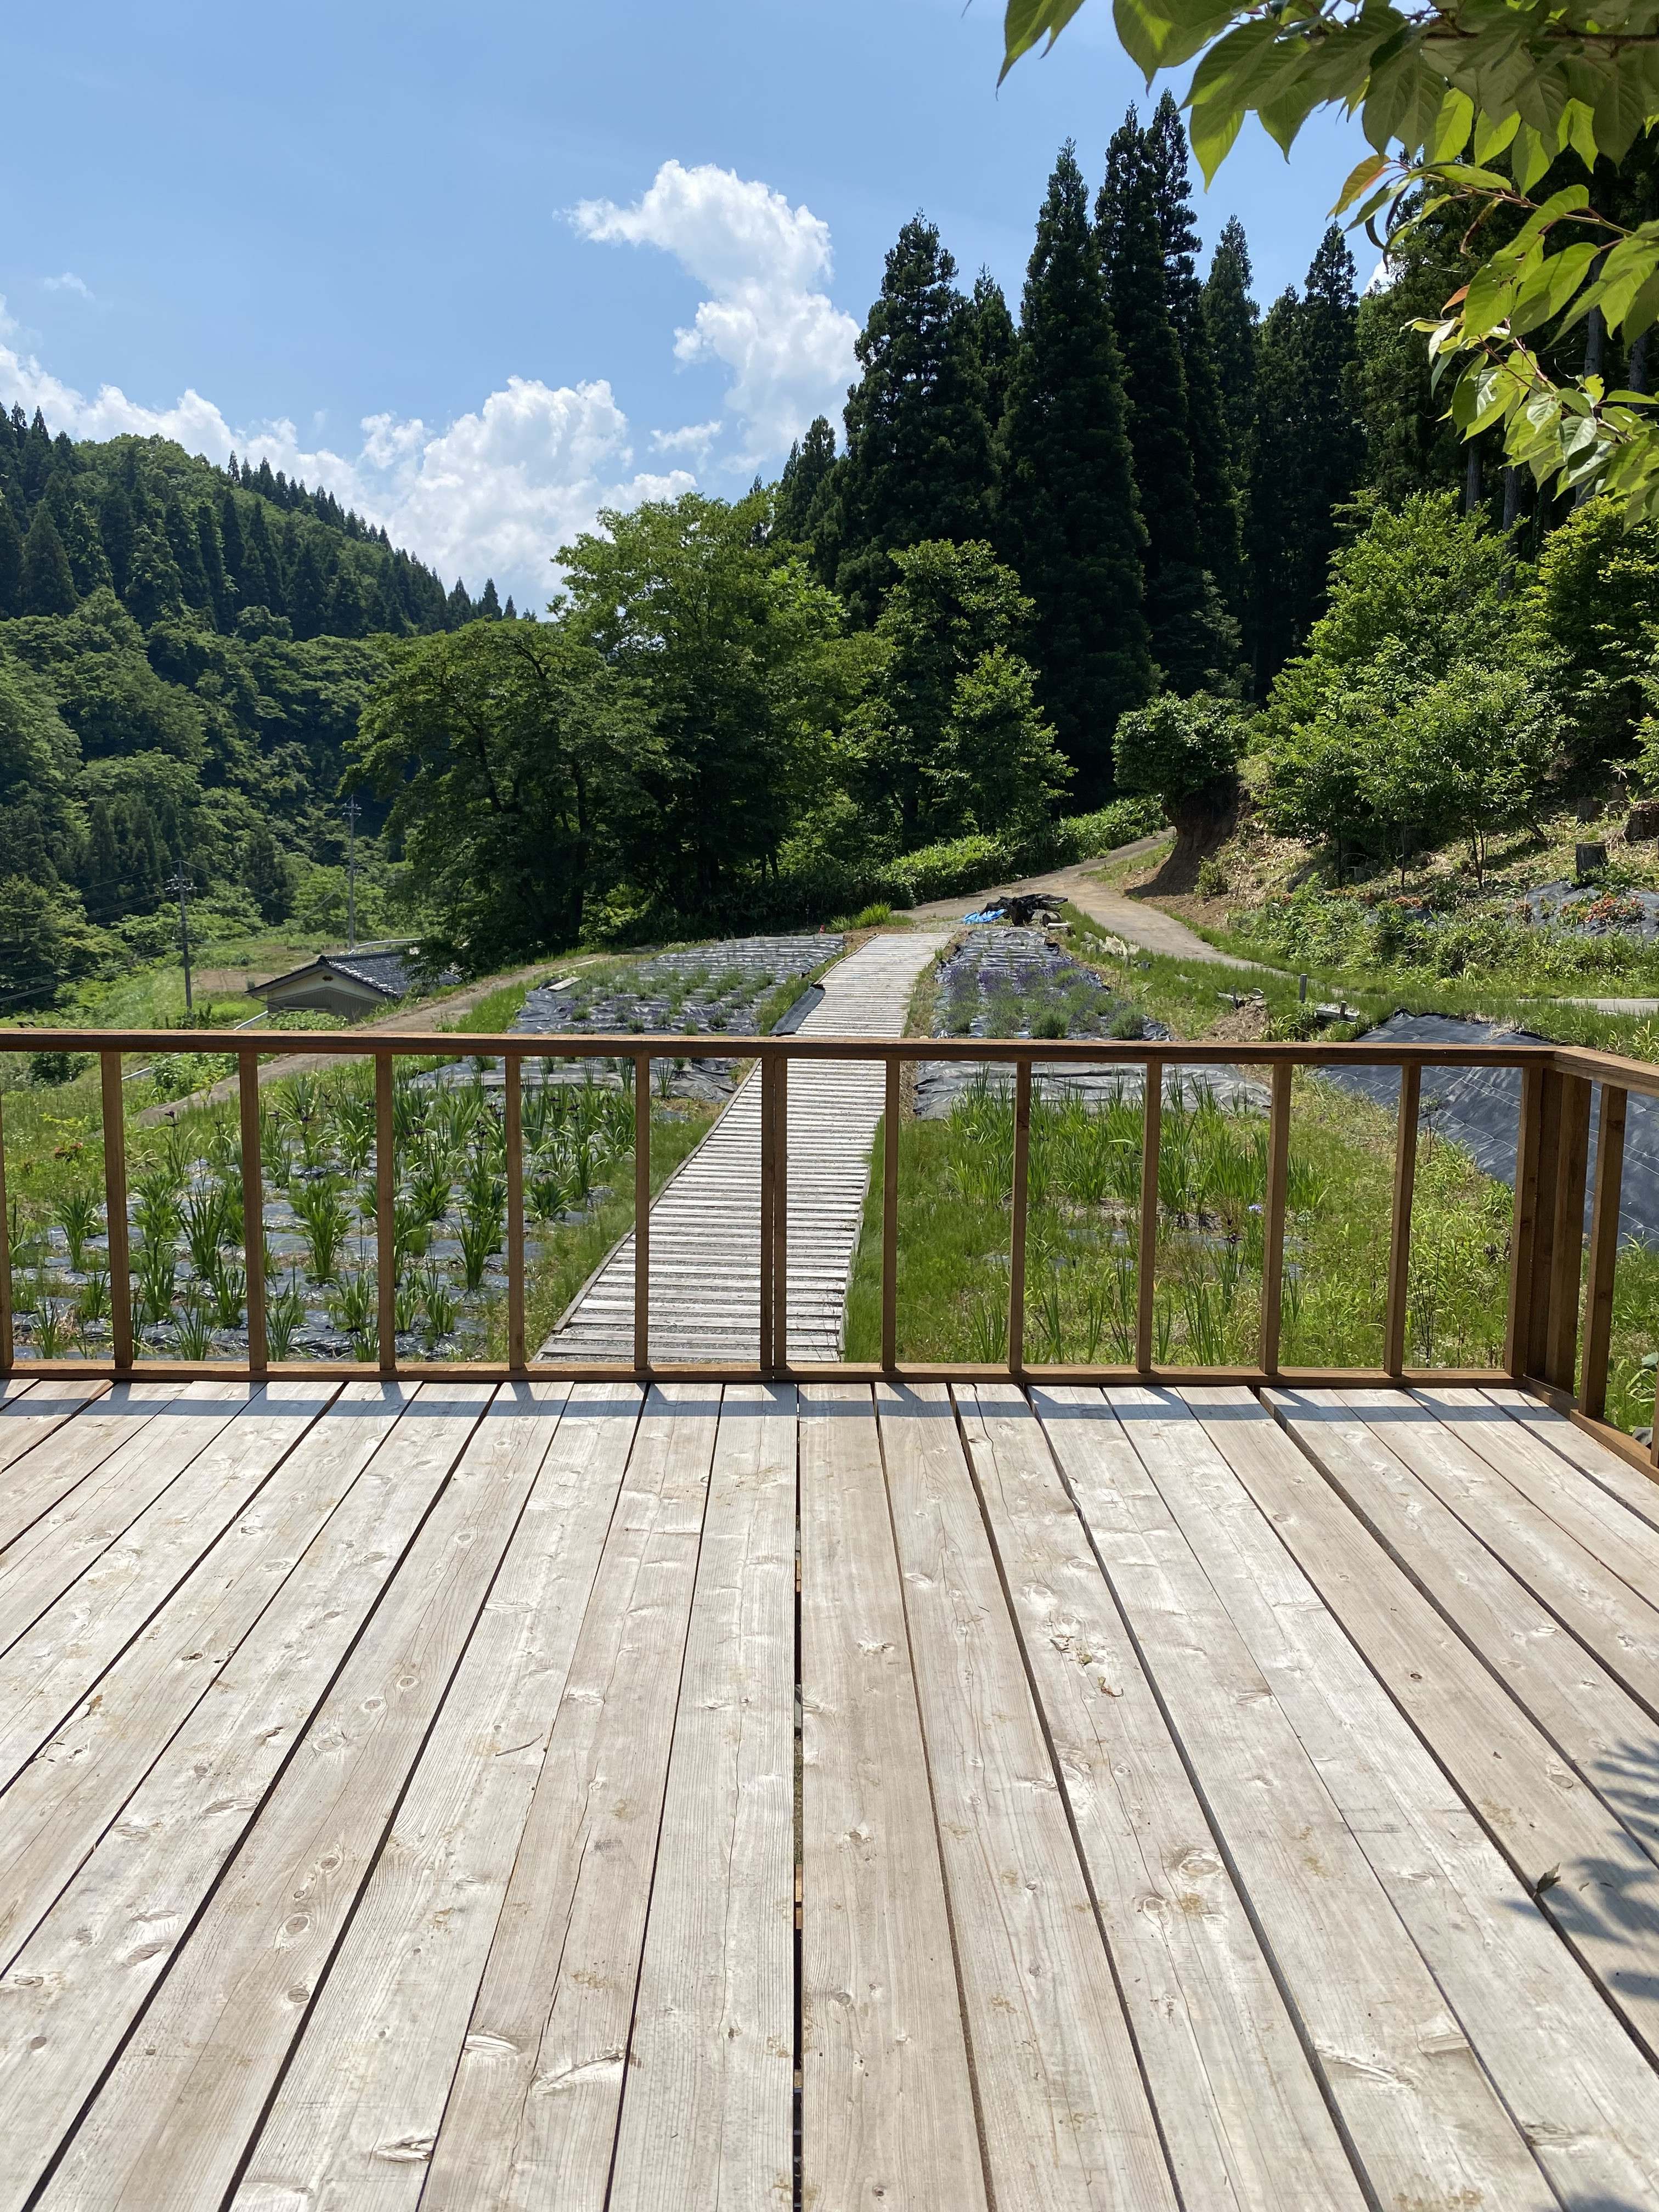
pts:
pixel 1230 317
pixel 45 586
pixel 805 510
pixel 995 335
pixel 1215 480
pixel 1309 454
pixel 1178 601
pixel 1068 523
pixel 11 559
pixel 918 461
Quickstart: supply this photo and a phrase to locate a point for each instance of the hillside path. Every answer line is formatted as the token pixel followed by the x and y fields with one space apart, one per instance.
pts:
pixel 1132 918
pixel 705 1222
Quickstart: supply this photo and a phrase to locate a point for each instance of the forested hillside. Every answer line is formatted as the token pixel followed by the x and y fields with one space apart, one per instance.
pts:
pixel 185 652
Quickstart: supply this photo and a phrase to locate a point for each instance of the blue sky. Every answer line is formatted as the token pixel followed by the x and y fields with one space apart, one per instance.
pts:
pixel 441 261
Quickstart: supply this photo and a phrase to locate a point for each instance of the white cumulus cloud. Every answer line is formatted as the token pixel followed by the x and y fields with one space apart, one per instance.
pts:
pixel 494 494
pixel 496 491
pixel 68 282
pixel 768 319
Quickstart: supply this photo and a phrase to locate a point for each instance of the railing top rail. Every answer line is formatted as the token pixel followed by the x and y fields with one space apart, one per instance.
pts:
pixel 1086 1052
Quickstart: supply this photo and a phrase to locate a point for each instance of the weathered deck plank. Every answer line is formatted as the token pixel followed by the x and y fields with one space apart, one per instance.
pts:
pixel 887 2114
pixel 1585 2098
pixel 46 1672
pixel 1045 2022
pixel 708 2107
pixel 1244 2114
pixel 1420 2112
pixel 531 2117
pixel 354 2121
pixel 1599 1888
pixel 77 1985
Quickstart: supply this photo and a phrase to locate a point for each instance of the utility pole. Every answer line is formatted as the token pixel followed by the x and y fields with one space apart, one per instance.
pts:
pixel 181 888
pixel 350 811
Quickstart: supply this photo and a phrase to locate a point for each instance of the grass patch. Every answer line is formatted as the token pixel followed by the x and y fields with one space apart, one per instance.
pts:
pixel 495 1013
pixel 954 1180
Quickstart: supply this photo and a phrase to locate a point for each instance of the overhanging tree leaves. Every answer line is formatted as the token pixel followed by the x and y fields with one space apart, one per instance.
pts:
pixel 1465 103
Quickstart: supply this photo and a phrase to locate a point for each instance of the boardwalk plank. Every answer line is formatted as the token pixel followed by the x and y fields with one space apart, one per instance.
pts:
pixel 71 1995
pixel 1593 1722
pixel 1244 2117
pixel 1605 1901
pixel 53 1464
pixel 58 1808
pixel 532 2118
pixel 30 1412
pixel 708 2107
pixel 48 1670
pixel 1617 1626
pixel 1417 2106
pixel 1064 2112
pixel 1585 2098
pixel 1625 1542
pixel 47 1557
pixel 358 2111
pixel 172 2119
pixel 887 2105
pixel 1628 1483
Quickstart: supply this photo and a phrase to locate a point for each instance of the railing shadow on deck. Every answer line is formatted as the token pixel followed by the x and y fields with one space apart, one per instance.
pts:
pixel 1557 1340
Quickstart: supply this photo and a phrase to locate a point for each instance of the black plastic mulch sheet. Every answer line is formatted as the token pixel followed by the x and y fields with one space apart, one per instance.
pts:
pixel 1480 1108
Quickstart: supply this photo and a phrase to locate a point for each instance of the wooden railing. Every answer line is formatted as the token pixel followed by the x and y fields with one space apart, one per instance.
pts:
pixel 1544 1347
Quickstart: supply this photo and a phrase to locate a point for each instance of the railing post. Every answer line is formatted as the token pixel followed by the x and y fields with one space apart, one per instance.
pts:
pixel 1146 1278
pixel 889 1164
pixel 641 1210
pixel 385 1199
pixel 1603 1252
pixel 6 1345
pixel 781 1215
pixel 768 1196
pixel 1400 1234
pixel 1523 1227
pixel 253 1210
pixel 1273 1217
pixel 513 1135
pixel 1017 1229
pixel 115 1206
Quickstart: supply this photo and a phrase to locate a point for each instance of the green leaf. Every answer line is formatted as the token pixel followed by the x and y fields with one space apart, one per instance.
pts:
pixel 1026 21
pixel 1212 128
pixel 1622 111
pixel 1578 129
pixel 1491 136
pixel 1452 127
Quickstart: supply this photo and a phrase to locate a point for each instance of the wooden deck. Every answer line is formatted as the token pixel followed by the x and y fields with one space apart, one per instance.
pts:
pixel 873 1802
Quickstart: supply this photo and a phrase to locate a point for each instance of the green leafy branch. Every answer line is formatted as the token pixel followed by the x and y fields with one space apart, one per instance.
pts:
pixel 1445 94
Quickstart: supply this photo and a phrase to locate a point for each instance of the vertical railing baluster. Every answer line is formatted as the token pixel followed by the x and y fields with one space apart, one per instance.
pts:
pixel 115 1206
pixel 253 1210
pixel 512 1134
pixel 1567 1237
pixel 780 1215
pixel 1603 1251
pixel 1017 1230
pixel 1272 1216
pixel 769 1202
pixel 1399 1233
pixel 386 1201
pixel 642 1210
pixel 7 1350
pixel 1151 1133
pixel 1523 1225
pixel 890 1163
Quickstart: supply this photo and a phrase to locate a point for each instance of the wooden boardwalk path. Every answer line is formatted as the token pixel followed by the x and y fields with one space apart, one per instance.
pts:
pixel 705 1224
pixel 720 1801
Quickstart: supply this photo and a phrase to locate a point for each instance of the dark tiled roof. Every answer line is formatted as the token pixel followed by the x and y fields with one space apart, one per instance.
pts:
pixel 391 974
